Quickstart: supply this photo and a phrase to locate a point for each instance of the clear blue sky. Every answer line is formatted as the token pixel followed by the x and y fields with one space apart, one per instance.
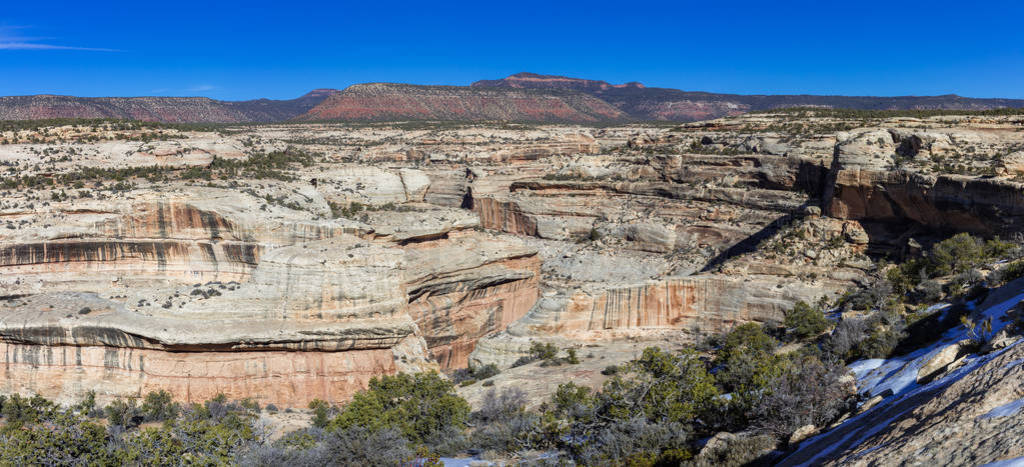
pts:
pixel 240 50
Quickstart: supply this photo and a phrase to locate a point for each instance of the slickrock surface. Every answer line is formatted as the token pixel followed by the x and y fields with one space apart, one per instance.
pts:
pixel 293 262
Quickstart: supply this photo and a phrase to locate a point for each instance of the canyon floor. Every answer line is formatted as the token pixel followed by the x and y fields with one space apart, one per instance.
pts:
pixel 292 262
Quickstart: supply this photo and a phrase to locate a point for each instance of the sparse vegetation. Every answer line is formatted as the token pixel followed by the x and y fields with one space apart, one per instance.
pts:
pixel 804 321
pixel 272 165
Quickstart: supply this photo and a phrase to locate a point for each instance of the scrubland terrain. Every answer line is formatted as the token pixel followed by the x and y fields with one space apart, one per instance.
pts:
pixel 790 286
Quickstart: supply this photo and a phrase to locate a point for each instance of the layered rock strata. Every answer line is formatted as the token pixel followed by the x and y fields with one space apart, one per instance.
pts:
pixel 189 291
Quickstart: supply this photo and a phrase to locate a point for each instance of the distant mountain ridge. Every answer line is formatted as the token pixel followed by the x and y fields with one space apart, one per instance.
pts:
pixel 391 101
pixel 644 103
pixel 160 109
pixel 535 81
pixel 523 97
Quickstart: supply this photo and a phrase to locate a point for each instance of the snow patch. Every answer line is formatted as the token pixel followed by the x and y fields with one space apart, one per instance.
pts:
pixel 1013 363
pixel 1018 462
pixel 1005 410
pixel 874 376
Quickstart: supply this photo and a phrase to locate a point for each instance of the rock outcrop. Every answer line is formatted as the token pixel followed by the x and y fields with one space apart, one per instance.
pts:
pixel 304 326
pixel 969 412
pixel 865 183
pixel 293 262
pixel 191 291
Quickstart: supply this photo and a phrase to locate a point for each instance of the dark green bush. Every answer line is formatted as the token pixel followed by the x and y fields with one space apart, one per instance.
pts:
pixel 321 413
pixel 747 361
pixel 803 321
pixel 418 406
pixel 158 406
pixel 124 413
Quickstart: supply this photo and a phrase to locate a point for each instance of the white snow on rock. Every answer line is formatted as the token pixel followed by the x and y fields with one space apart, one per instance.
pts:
pixel 1006 410
pixel 875 376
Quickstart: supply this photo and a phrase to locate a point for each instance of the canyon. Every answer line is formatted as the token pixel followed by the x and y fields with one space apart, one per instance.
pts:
pixel 292 262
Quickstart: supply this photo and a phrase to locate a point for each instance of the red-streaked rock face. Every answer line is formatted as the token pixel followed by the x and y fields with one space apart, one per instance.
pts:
pixel 705 304
pixel 382 101
pixel 287 379
pixel 486 285
pixel 193 292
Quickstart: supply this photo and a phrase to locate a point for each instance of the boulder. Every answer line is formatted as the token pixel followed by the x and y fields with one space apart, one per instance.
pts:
pixel 854 233
pixel 937 364
pixel 1013 163
pixel 1001 340
pixel 801 434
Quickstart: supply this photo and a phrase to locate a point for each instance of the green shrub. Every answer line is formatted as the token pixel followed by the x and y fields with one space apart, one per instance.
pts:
pixel 158 406
pixel 803 321
pixel 321 413
pixel 418 406
pixel 568 396
pixel 746 337
pixel 124 413
pixel 880 342
pixel 956 254
pixel 661 386
pixel 487 371
pixel 546 351
pixel 18 410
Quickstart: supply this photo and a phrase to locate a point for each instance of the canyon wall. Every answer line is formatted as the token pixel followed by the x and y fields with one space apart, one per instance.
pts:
pixel 189 291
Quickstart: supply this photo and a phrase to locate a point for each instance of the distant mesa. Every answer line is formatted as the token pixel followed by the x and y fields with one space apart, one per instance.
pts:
pixel 159 109
pixel 522 97
pixel 535 81
pixel 644 103
pixel 389 101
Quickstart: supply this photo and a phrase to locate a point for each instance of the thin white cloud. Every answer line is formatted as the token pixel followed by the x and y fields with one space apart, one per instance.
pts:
pixel 202 88
pixel 35 46
pixel 10 40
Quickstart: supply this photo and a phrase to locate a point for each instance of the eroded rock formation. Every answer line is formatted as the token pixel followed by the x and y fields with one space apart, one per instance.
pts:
pixel 412 247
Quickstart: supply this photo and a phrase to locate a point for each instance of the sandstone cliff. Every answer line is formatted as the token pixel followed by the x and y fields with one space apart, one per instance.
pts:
pixel 188 290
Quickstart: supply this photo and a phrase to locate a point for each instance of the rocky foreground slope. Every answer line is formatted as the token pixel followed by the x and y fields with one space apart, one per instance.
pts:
pixel 295 262
pixel 941 404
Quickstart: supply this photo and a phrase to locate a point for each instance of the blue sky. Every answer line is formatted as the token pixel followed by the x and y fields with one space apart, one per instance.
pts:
pixel 240 50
